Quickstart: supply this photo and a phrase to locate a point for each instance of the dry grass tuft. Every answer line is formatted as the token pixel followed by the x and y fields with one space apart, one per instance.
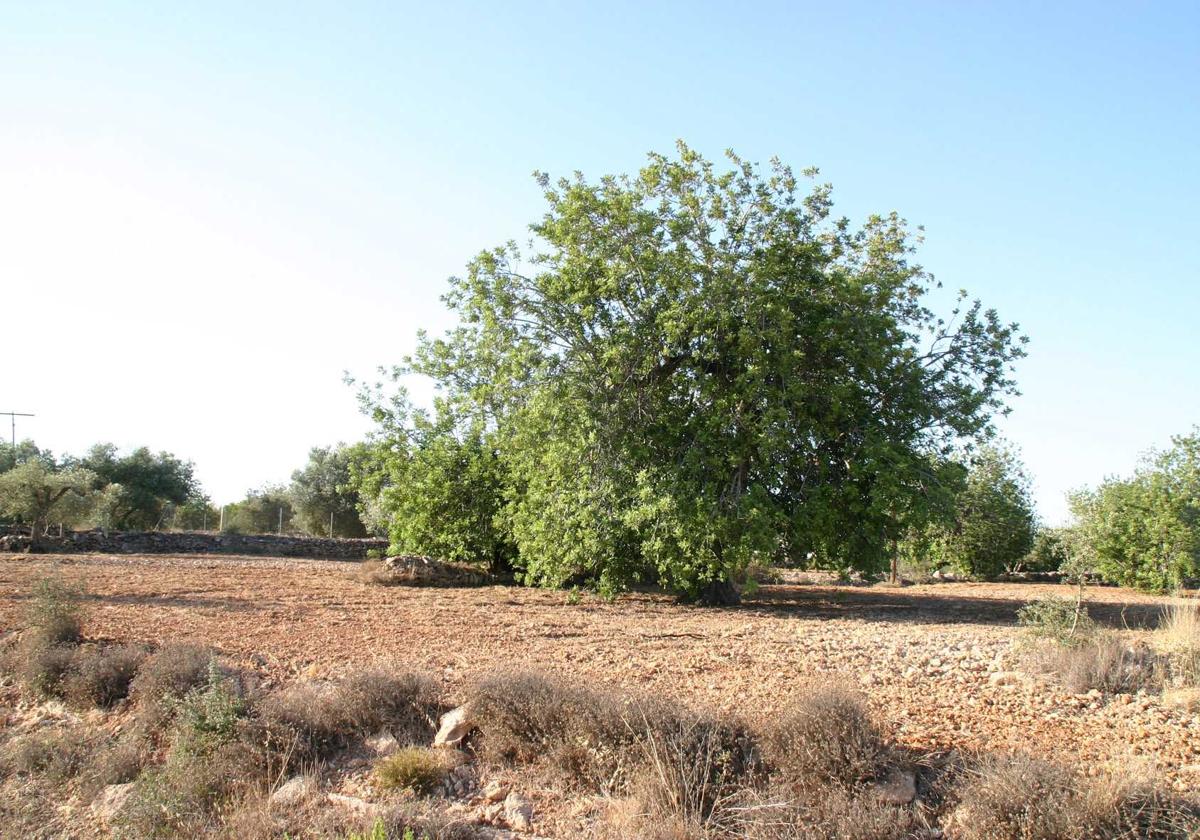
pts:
pixel 825 736
pixel 418 769
pixel 312 721
pixel 1178 637
pixel 831 814
pixel 1104 661
pixel 1023 798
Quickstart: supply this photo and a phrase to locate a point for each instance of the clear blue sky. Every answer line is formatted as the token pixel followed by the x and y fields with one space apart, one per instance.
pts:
pixel 207 214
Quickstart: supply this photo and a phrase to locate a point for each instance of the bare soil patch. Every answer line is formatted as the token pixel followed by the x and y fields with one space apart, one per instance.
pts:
pixel 925 656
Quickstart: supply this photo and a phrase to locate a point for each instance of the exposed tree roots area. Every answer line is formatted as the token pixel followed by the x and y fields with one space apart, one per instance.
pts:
pixel 670 687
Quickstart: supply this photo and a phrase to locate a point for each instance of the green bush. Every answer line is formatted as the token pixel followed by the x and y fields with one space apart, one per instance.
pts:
pixel 55 614
pixel 1061 620
pixel 418 769
pixel 207 717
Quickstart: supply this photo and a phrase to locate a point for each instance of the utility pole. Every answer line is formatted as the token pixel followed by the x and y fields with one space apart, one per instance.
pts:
pixel 279 530
pixel 330 524
pixel 13 415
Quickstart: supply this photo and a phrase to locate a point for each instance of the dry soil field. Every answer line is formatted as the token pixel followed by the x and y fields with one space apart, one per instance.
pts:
pixel 933 660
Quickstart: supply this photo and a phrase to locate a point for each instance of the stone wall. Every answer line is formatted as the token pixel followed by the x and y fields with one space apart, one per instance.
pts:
pixel 192 542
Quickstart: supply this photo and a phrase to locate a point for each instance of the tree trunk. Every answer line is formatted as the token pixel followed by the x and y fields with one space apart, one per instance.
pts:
pixel 720 593
pixel 35 536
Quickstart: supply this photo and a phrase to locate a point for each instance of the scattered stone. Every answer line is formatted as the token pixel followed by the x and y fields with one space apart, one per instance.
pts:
pixel 291 792
pixel 518 812
pixel 495 791
pixel 383 743
pixel 111 800
pixel 455 725
pixel 899 787
pixel 1003 678
pixel 360 806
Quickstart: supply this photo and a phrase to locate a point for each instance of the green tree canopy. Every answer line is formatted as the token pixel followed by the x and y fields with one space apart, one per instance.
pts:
pixel 1144 531
pixel 26 450
pixel 322 490
pixel 32 493
pixel 695 369
pixel 992 525
pixel 267 510
pixel 139 486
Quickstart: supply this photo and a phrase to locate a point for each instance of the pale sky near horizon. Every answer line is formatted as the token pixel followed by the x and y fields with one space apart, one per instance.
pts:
pixel 208 213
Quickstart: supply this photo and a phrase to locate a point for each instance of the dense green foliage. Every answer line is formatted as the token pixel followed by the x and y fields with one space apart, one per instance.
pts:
pixel 321 491
pixel 31 493
pixel 693 371
pixel 140 487
pixel 24 451
pixel 1050 552
pixel 267 510
pixel 1144 530
pixel 437 492
pixel 991 526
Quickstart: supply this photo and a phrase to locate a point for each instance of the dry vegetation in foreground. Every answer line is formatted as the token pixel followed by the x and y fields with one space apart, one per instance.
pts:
pixel 178 743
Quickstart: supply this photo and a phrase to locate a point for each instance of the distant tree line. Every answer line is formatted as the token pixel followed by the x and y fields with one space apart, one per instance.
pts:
pixel 142 490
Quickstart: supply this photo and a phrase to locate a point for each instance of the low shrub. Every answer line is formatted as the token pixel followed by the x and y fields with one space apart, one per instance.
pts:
pixel 405 704
pixel 1061 620
pixel 208 716
pixel 165 678
pixel 55 614
pixel 43 668
pixel 1104 661
pixel 311 721
pixel 101 676
pixel 418 769
pixel 682 762
pixel 54 754
pixel 525 717
pixel 183 797
pixel 114 763
pixel 1024 798
pixel 825 736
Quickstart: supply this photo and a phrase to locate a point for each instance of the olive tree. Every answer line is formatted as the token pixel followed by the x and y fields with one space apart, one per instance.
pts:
pixel 322 493
pixel 32 493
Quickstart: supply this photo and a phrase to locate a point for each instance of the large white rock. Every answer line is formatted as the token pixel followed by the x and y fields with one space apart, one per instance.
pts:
pixel 291 792
pixel 518 812
pixel 455 725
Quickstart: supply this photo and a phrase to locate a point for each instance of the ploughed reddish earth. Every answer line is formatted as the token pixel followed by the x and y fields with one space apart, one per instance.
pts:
pixel 933 660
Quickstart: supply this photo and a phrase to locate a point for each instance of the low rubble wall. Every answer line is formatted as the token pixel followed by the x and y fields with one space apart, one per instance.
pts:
pixel 191 542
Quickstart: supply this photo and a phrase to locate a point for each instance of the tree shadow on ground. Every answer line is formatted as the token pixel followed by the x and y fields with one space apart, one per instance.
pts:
pixel 904 606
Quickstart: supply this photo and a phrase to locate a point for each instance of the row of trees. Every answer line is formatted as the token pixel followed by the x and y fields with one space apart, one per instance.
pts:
pixel 141 490
pixel 695 371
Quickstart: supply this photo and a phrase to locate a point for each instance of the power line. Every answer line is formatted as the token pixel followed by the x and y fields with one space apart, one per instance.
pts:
pixel 13 415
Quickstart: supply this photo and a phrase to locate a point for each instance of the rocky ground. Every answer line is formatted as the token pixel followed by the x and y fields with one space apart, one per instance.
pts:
pixel 936 661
